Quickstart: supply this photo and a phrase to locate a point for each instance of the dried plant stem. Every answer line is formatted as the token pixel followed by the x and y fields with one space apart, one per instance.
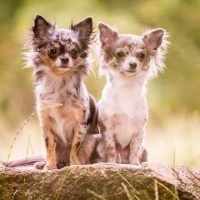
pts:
pixel 19 131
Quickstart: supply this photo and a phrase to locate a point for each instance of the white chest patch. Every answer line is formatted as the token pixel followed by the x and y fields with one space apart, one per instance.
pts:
pixel 124 131
pixel 123 110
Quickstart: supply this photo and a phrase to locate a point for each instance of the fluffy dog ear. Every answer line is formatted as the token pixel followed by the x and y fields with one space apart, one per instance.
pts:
pixel 107 34
pixel 41 27
pixel 154 38
pixel 157 43
pixel 84 30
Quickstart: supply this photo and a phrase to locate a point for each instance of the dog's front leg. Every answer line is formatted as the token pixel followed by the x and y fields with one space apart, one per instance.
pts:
pixel 51 150
pixel 74 160
pixel 135 147
pixel 50 144
pixel 110 147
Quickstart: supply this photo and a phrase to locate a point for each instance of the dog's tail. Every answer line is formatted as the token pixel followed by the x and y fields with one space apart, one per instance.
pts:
pixel 25 162
pixel 93 117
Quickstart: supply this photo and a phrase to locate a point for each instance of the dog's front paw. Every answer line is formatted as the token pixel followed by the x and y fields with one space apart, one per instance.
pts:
pixel 49 167
pixel 40 165
pixel 75 161
pixel 111 160
pixel 135 164
pixel 144 164
pixel 43 166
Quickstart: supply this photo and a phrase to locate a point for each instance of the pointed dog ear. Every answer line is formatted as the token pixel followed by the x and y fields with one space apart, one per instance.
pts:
pixel 157 43
pixel 41 27
pixel 154 38
pixel 84 30
pixel 107 34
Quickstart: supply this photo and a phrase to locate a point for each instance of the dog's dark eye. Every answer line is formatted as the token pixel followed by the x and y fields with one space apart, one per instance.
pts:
pixel 83 54
pixel 120 54
pixel 140 56
pixel 74 53
pixel 53 51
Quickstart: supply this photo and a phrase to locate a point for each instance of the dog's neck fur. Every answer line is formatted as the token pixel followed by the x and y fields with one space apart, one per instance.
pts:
pixel 52 89
pixel 118 80
pixel 127 93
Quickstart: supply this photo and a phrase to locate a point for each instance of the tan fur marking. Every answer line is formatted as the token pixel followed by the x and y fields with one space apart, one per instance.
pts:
pixel 50 148
pixel 50 64
pixel 75 115
pixel 71 114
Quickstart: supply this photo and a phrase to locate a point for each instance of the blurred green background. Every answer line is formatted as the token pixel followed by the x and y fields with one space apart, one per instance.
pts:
pixel 173 130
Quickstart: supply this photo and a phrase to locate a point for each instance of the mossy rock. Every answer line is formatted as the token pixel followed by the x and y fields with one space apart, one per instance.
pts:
pixel 101 181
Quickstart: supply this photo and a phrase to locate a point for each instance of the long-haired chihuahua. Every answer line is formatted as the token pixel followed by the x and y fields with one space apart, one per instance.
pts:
pixel 66 110
pixel 128 62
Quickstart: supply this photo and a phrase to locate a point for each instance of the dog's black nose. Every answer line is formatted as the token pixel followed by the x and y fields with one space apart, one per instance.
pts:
pixel 133 65
pixel 64 60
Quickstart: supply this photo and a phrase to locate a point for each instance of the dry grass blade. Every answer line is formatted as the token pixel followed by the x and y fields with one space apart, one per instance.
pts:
pixel 82 139
pixel 13 197
pixel 156 190
pixel 174 172
pixel 129 185
pixel 61 184
pixel 27 150
pixel 168 190
pixel 127 192
pixel 165 187
pixel 96 195
pixel 18 132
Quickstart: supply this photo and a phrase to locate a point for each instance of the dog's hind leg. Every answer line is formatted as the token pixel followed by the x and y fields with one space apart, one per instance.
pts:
pixel 88 149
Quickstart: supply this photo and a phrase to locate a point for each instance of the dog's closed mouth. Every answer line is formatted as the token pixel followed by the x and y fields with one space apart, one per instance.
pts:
pixel 64 66
pixel 131 71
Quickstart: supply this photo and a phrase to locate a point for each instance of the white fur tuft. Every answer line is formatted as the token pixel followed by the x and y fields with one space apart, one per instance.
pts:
pixel 29 57
pixel 157 62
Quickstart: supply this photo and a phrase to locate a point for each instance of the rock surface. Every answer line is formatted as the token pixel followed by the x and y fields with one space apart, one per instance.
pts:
pixel 102 181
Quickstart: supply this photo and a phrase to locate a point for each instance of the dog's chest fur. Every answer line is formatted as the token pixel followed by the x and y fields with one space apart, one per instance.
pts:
pixel 123 109
pixel 64 99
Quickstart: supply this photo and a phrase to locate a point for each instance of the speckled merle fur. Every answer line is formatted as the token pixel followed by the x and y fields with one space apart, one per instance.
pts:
pixel 60 62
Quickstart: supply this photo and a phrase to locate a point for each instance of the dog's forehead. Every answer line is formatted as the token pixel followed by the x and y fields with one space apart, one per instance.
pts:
pixel 130 41
pixel 64 36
